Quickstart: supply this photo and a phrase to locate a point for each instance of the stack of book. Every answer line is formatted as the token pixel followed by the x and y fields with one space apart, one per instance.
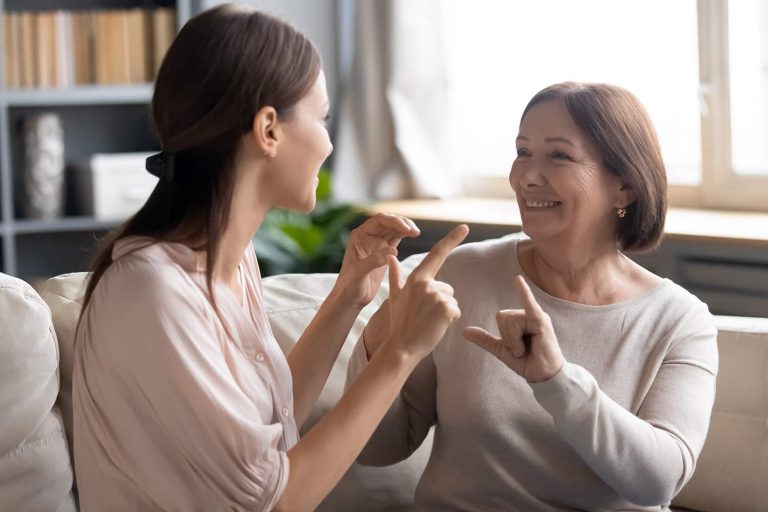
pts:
pixel 66 48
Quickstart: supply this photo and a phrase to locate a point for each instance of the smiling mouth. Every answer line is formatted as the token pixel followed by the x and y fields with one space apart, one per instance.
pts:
pixel 542 204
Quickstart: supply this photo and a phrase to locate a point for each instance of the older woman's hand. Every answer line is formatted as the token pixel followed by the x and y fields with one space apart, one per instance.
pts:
pixel 528 343
pixel 365 259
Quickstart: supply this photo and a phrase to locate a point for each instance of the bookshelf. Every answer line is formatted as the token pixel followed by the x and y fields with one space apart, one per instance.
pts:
pixel 95 119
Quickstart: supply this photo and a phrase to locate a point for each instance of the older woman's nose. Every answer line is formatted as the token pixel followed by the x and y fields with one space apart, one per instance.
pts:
pixel 531 175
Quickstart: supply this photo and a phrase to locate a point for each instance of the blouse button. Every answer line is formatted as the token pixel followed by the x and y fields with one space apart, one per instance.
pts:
pixel 260 357
pixel 285 412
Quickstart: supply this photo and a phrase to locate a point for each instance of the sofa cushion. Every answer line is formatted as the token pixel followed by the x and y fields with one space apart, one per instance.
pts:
pixel 64 295
pixel 732 472
pixel 35 469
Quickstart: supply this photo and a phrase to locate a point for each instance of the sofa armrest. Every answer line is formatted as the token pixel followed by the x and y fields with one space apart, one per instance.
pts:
pixel 732 471
pixel 35 467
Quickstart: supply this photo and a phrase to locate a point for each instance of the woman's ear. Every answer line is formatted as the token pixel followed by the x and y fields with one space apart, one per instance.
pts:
pixel 266 131
pixel 627 196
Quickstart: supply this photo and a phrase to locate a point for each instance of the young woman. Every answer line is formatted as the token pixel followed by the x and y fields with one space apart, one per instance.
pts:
pixel 183 400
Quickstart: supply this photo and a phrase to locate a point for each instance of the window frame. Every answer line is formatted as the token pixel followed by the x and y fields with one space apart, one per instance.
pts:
pixel 717 174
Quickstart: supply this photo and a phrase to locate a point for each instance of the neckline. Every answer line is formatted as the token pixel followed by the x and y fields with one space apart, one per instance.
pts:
pixel 542 294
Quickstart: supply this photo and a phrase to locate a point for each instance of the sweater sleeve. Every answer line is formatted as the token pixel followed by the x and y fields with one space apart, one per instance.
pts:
pixel 646 458
pixel 407 423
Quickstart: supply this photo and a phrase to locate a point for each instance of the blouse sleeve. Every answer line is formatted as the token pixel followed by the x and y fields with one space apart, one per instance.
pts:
pixel 196 430
pixel 646 458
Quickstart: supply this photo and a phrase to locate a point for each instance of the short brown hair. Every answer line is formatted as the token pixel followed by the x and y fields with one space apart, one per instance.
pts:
pixel 621 130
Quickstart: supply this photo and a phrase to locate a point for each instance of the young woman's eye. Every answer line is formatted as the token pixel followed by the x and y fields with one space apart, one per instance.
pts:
pixel 559 155
pixel 327 119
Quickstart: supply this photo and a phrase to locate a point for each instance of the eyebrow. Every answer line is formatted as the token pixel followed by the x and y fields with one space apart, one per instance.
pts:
pixel 548 140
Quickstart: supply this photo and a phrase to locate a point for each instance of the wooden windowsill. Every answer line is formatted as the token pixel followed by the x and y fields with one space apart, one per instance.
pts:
pixel 740 228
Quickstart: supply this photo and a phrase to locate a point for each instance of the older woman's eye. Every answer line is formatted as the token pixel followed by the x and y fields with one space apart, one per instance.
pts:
pixel 559 155
pixel 522 152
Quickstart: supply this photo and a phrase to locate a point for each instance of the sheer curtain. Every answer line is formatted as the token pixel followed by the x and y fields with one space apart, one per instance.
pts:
pixel 391 124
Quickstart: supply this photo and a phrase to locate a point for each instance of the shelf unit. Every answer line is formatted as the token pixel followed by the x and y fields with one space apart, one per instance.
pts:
pixel 95 119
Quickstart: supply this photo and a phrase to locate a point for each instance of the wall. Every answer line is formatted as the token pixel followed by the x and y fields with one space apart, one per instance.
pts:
pixel 317 19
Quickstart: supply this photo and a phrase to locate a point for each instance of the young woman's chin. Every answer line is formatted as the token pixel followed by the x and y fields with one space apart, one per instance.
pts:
pixel 302 207
pixel 310 206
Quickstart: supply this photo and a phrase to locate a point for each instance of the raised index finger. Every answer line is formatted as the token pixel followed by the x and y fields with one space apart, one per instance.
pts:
pixel 432 262
pixel 530 305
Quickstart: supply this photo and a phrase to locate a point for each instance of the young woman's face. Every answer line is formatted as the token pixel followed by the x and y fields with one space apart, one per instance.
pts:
pixel 562 187
pixel 305 147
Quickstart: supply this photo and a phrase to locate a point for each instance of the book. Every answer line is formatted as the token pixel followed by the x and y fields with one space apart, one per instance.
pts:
pixel 110 41
pixel 83 48
pixel 137 30
pixel 12 64
pixel 63 49
pixel 45 48
pixel 163 33
pixel 27 60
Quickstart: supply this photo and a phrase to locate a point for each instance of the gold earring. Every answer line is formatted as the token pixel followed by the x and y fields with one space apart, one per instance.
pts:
pixel 621 212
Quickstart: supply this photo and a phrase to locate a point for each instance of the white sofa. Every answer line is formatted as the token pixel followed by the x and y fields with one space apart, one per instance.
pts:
pixel 732 475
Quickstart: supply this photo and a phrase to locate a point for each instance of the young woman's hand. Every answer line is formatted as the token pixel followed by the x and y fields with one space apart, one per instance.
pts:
pixel 377 329
pixel 365 259
pixel 422 308
pixel 528 343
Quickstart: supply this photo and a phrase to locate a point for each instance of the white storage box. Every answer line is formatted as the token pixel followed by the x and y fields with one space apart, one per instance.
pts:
pixel 113 186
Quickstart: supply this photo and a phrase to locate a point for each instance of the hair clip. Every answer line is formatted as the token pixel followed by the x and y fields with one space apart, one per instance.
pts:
pixel 161 165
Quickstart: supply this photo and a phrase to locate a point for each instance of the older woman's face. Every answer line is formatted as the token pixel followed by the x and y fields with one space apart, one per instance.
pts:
pixel 562 187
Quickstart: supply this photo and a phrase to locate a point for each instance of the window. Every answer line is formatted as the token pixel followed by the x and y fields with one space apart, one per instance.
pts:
pixel 748 79
pixel 674 56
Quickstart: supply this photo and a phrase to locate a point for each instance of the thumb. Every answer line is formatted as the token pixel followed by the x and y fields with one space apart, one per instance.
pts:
pixel 376 260
pixel 483 339
pixel 395 276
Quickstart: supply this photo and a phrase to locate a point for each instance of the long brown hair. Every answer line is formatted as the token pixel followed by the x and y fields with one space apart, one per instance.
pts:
pixel 621 130
pixel 225 64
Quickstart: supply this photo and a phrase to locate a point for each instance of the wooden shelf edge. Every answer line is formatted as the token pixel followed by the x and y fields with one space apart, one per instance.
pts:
pixel 81 95
pixel 62 224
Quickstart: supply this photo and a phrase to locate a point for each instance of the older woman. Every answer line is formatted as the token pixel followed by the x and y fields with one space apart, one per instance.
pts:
pixel 596 385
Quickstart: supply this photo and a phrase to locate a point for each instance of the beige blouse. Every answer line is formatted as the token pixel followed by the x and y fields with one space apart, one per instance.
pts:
pixel 175 408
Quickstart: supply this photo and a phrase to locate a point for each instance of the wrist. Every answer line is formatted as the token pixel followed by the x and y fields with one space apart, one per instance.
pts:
pixel 397 355
pixel 393 344
pixel 552 372
pixel 338 300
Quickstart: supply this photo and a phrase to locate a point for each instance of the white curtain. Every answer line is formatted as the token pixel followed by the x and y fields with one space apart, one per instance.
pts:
pixel 391 125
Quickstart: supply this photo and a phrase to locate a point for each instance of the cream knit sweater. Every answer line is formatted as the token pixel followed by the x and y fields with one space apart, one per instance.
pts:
pixel 619 428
